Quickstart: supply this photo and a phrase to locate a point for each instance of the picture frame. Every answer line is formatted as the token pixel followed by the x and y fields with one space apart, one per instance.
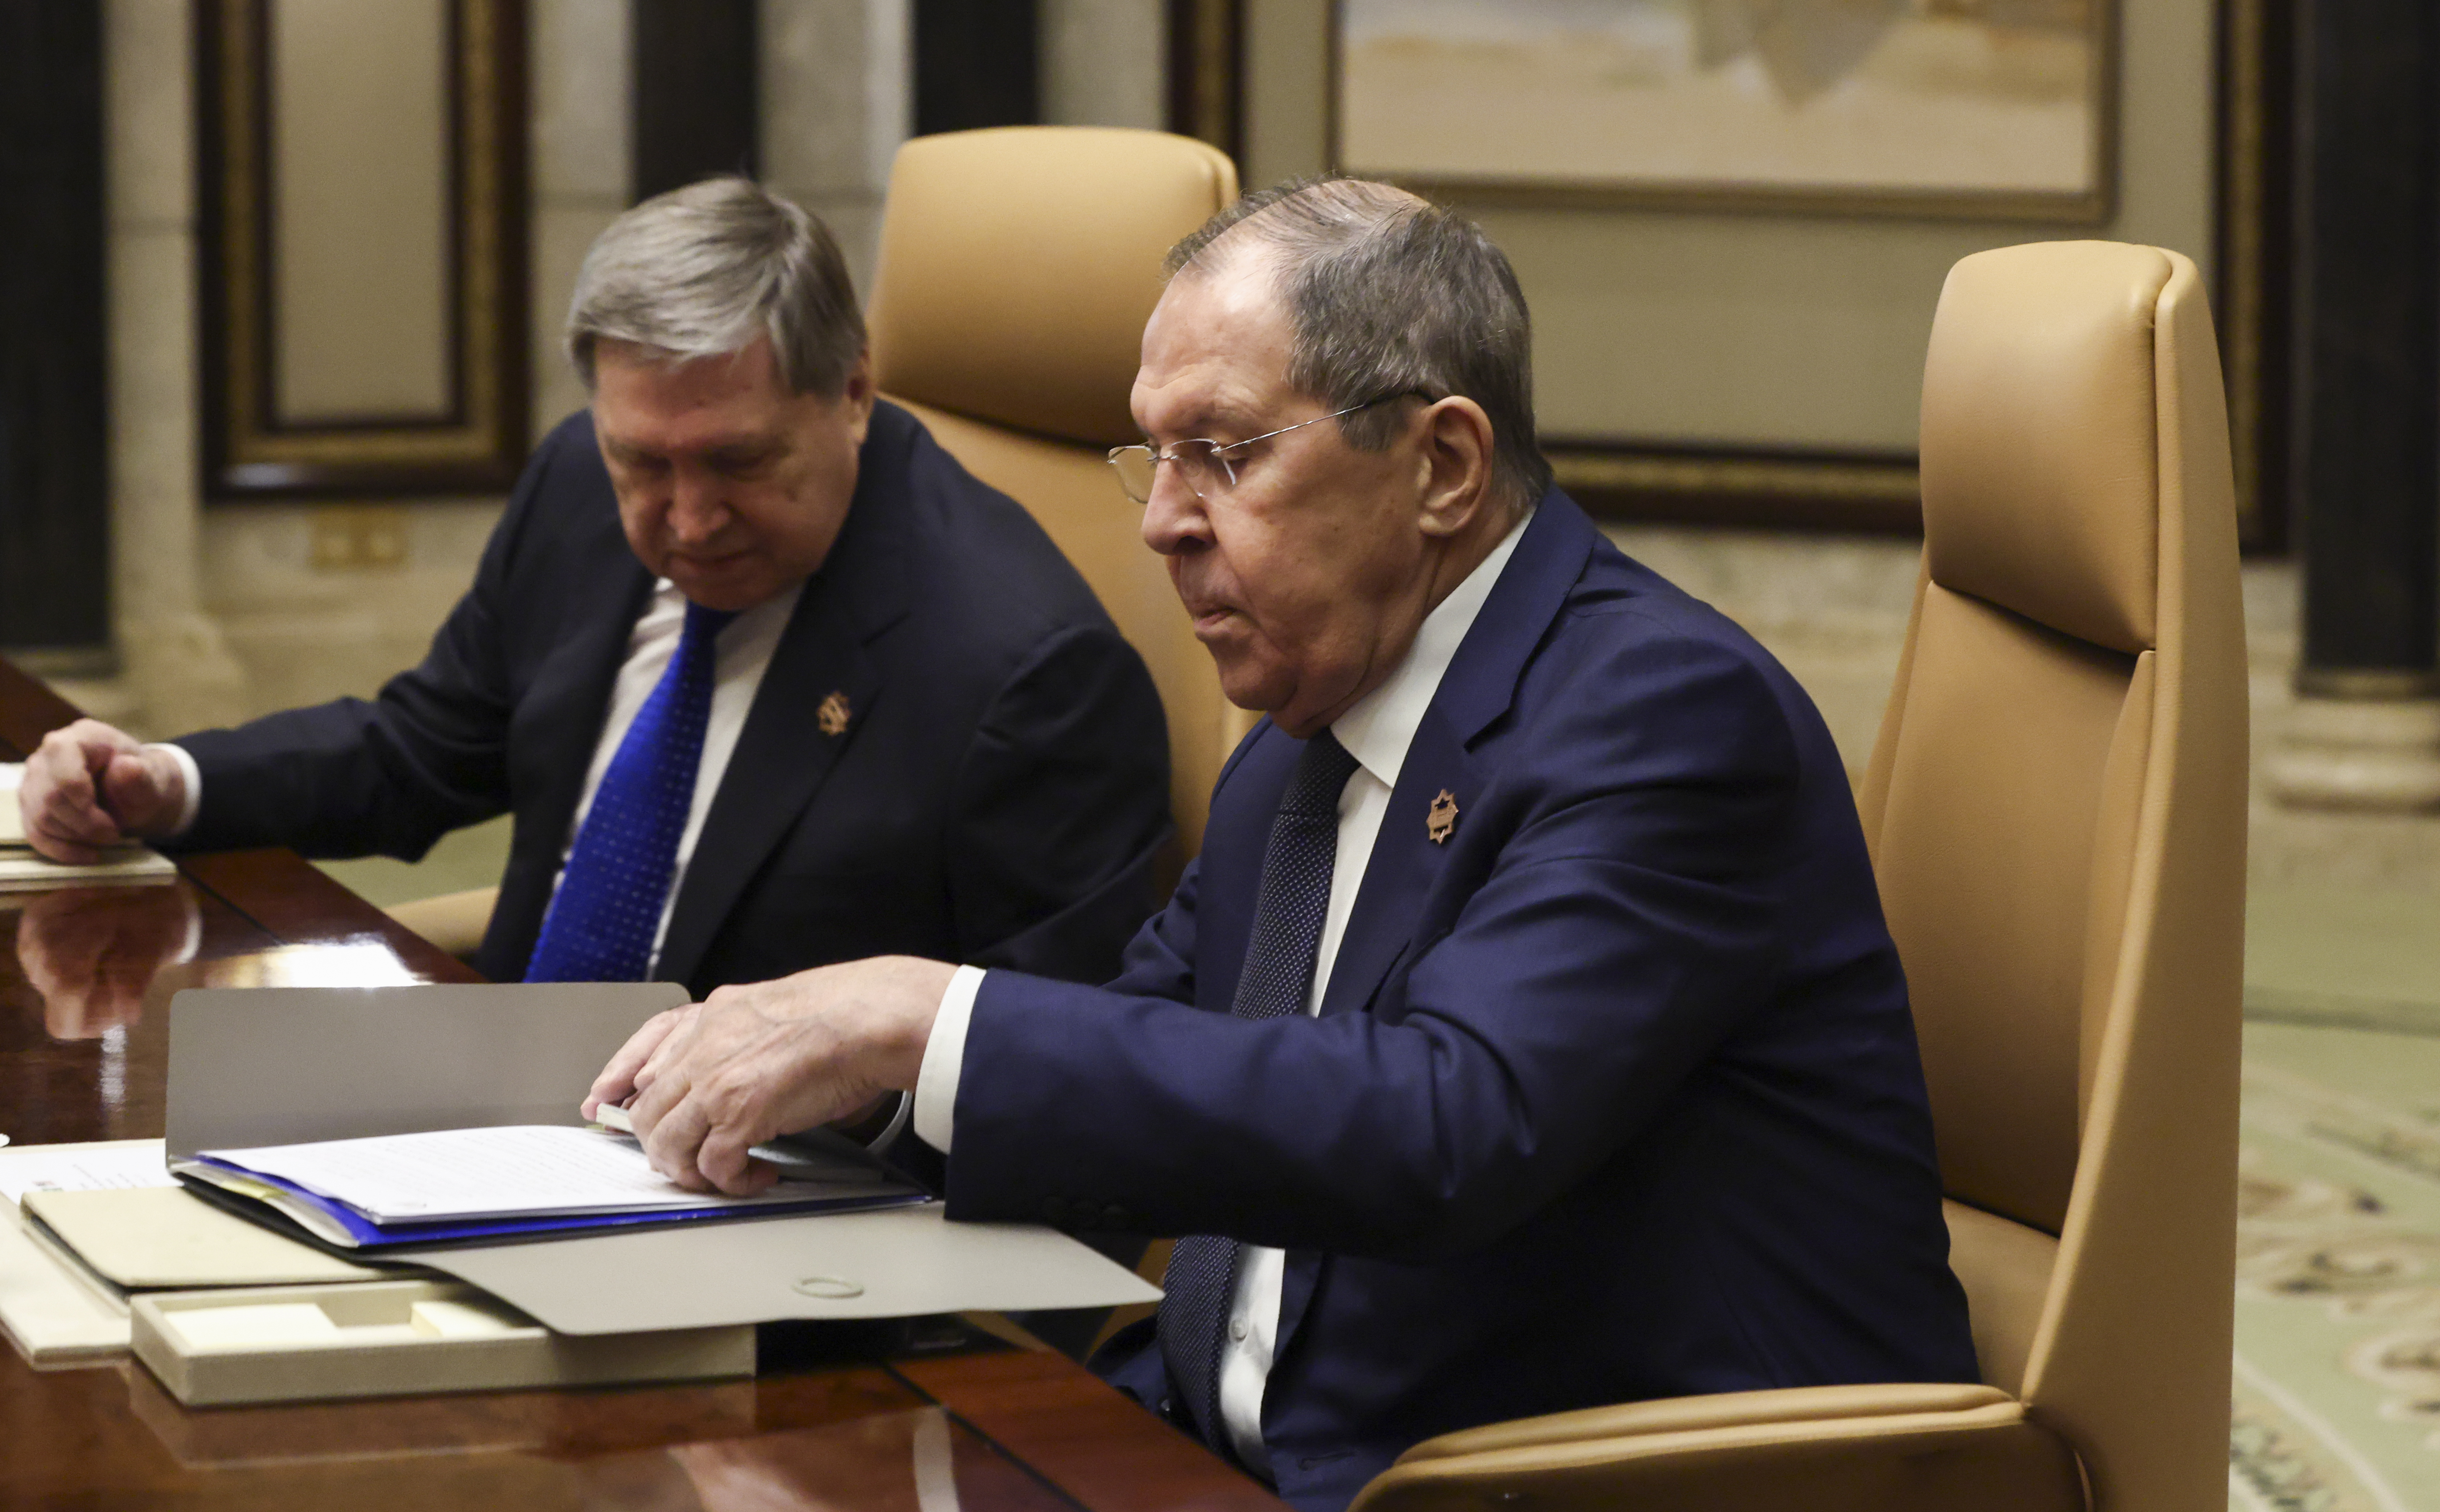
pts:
pixel 1216 45
pixel 1970 109
pixel 466 428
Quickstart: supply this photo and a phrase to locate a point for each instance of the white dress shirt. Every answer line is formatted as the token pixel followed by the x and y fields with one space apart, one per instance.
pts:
pixel 1377 732
pixel 742 655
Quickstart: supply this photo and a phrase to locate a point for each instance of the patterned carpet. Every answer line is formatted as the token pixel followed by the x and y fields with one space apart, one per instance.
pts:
pixel 2338 1310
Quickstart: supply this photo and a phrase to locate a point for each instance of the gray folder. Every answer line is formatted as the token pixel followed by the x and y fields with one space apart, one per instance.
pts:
pixel 286 1065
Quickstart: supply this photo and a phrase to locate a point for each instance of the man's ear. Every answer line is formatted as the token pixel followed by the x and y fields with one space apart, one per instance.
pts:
pixel 1456 458
pixel 857 394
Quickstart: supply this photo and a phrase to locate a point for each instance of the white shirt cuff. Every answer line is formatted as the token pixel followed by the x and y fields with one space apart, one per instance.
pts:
pixel 944 1058
pixel 194 780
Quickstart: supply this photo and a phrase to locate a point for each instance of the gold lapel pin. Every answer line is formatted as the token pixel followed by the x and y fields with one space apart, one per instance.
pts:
pixel 1442 821
pixel 833 714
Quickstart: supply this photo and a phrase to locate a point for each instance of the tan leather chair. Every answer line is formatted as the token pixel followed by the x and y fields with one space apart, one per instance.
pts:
pixel 1017 267
pixel 2057 808
pixel 452 920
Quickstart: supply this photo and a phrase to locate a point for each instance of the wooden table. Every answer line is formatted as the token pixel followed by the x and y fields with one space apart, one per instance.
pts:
pixel 879 1419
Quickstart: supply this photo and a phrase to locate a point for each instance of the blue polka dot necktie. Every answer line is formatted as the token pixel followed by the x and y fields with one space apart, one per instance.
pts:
pixel 603 919
pixel 1281 953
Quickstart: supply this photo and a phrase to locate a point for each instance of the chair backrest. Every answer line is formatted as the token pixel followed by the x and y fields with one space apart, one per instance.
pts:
pixel 1017 268
pixel 2056 807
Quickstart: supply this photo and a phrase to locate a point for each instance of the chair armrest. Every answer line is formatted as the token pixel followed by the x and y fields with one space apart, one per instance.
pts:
pixel 452 920
pixel 1866 1448
pixel 1680 1415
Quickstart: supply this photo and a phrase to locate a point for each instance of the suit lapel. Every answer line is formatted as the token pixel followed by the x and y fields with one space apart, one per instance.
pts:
pixel 783 754
pixel 780 761
pixel 1477 687
pixel 1406 862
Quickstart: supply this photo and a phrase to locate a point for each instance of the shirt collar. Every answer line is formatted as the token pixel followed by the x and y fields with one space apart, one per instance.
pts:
pixel 780 606
pixel 1379 726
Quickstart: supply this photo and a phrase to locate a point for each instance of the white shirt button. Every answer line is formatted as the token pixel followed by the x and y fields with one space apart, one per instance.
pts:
pixel 1237 1329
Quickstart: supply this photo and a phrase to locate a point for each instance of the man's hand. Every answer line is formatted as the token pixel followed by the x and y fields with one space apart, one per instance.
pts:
pixel 747 1064
pixel 92 952
pixel 89 786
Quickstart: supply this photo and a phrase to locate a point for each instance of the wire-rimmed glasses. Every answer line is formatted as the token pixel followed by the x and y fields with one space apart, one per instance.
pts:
pixel 1205 466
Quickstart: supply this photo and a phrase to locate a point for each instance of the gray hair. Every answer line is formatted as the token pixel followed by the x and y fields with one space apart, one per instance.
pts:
pixel 1389 295
pixel 702 271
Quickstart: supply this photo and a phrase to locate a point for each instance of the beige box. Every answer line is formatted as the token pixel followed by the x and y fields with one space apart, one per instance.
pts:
pixel 396 1339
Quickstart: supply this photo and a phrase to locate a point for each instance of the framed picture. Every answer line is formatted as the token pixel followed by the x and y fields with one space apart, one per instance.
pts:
pixel 360 175
pixel 1267 81
pixel 1967 108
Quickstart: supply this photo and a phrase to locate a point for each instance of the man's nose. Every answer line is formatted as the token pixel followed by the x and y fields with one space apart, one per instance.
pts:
pixel 1173 520
pixel 697 509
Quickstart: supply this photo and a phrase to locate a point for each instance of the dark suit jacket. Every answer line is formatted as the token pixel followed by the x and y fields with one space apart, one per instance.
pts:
pixel 998 796
pixel 1613 1095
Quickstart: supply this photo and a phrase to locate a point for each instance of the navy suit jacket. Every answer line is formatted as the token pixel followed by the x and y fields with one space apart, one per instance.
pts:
pixel 1613 1095
pixel 999 796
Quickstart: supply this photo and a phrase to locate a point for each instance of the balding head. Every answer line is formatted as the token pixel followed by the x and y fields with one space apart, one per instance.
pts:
pixel 1387 293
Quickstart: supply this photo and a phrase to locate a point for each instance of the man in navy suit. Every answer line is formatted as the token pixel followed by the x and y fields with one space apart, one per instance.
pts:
pixel 767 678
pixel 1527 1035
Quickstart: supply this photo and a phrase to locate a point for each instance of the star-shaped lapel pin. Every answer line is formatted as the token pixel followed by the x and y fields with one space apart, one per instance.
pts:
pixel 1442 821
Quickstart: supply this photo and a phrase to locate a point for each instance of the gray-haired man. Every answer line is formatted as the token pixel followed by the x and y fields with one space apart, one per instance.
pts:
pixel 767 678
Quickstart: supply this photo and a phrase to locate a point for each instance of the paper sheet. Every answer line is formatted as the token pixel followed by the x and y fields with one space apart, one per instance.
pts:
pixel 82 1167
pixel 12 829
pixel 527 1170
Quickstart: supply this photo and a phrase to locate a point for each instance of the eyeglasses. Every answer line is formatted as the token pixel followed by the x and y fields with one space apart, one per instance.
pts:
pixel 1204 465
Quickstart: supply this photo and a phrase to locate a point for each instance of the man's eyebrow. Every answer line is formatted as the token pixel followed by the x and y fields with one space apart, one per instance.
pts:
pixel 1219 415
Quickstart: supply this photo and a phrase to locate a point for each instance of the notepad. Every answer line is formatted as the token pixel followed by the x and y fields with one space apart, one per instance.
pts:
pixel 449 1184
pixel 83 1167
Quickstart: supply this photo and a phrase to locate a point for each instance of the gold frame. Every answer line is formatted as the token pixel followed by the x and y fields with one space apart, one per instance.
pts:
pixel 2254 121
pixel 480 445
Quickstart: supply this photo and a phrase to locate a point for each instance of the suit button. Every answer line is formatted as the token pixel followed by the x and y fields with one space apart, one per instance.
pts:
pixel 1237 1329
pixel 1115 1217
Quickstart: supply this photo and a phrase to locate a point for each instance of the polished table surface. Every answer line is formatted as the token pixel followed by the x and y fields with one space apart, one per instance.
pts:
pixel 920 1418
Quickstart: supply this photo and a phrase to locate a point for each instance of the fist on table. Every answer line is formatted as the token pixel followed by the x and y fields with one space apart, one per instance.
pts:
pixel 89 786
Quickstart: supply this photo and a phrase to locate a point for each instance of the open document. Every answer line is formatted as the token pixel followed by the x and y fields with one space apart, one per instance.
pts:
pixel 477 1184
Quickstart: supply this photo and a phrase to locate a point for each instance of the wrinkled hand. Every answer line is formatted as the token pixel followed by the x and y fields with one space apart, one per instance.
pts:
pixel 92 952
pixel 713 1079
pixel 90 785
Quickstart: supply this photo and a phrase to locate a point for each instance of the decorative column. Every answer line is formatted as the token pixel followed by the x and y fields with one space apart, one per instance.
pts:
pixel 2367 442
pixel 178 671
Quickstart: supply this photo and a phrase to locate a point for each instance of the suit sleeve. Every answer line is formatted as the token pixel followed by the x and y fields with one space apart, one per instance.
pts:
pixel 1061 811
pixel 391 775
pixel 1620 932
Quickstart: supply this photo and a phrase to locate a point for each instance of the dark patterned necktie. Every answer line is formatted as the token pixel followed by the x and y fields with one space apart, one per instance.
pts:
pixel 608 907
pixel 1279 956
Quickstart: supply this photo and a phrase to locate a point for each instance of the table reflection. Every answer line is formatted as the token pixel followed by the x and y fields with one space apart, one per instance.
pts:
pixel 890 1462
pixel 91 953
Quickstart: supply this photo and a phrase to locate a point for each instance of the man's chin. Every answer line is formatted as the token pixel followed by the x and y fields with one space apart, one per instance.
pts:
pixel 1247 684
pixel 730 591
